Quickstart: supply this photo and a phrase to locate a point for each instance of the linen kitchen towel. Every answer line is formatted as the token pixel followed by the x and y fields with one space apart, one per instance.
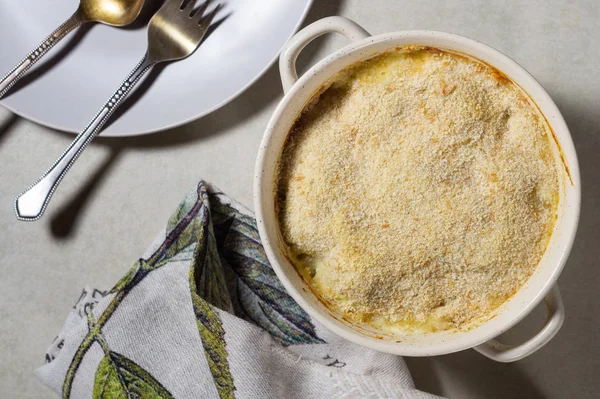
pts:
pixel 203 315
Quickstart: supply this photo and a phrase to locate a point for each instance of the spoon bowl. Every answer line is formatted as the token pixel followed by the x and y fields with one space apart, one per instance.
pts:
pixel 110 12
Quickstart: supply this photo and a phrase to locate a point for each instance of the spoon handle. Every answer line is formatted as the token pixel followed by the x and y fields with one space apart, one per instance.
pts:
pixel 18 71
pixel 31 204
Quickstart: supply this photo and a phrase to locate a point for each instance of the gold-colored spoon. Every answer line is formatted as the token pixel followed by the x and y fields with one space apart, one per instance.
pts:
pixel 109 12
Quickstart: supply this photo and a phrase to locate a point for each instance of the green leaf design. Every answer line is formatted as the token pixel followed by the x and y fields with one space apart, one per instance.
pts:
pixel 128 278
pixel 178 245
pixel 260 296
pixel 220 242
pixel 184 207
pixel 208 273
pixel 183 230
pixel 212 334
pixel 119 378
pixel 208 286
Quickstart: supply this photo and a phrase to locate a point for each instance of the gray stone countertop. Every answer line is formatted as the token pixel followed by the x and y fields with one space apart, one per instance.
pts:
pixel 122 191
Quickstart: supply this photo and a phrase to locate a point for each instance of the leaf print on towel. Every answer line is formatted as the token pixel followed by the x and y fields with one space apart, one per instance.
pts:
pixel 207 270
pixel 184 229
pixel 208 287
pixel 212 334
pixel 260 294
pixel 127 279
pixel 120 378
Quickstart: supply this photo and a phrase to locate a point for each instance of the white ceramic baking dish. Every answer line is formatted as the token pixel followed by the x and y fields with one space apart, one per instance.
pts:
pixel 542 284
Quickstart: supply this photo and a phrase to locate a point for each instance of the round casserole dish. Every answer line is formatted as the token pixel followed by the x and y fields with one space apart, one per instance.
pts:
pixel 541 285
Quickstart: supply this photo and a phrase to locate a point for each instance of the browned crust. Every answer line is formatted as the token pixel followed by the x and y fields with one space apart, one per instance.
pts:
pixel 495 73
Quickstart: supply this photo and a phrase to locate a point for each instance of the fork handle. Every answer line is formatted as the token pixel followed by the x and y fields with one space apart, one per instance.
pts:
pixel 77 19
pixel 31 204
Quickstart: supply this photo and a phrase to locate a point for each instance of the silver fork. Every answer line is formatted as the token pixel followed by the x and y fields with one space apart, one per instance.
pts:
pixel 174 32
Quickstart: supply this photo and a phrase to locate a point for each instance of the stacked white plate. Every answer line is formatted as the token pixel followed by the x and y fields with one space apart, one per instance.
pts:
pixel 73 81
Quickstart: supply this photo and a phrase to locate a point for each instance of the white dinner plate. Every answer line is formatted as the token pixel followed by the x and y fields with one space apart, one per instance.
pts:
pixel 74 83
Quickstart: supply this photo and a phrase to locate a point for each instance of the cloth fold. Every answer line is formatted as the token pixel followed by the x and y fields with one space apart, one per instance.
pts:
pixel 203 315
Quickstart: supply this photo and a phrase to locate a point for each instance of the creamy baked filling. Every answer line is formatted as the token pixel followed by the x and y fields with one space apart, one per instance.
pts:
pixel 418 191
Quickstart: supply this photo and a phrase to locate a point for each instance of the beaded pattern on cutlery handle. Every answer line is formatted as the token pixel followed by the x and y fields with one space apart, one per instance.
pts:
pixel 17 72
pixel 31 204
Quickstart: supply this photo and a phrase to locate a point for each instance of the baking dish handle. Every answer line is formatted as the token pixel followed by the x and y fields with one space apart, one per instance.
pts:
pixel 511 353
pixel 291 50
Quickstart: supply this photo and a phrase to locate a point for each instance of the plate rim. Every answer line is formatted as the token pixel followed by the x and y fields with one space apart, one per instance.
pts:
pixel 182 122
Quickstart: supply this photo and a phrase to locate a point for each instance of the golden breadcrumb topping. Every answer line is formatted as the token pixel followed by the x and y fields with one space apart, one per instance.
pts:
pixel 418 192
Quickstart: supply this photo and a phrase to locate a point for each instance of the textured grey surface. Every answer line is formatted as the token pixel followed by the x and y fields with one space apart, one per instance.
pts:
pixel 121 191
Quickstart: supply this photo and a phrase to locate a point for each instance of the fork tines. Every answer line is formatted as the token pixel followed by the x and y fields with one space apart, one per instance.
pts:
pixel 198 14
pixel 185 4
pixel 200 11
pixel 206 21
